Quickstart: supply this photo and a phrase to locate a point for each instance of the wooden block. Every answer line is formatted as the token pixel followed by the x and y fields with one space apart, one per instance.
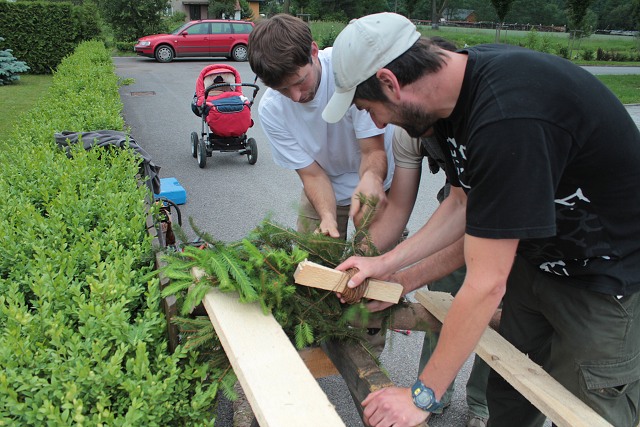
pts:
pixel 318 276
pixel 533 382
pixel 318 362
pixel 278 385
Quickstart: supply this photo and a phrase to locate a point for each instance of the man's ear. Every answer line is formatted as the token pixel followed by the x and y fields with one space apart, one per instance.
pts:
pixel 389 83
pixel 314 49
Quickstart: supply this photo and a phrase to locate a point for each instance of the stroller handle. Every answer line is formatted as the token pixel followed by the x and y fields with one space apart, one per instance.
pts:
pixel 255 87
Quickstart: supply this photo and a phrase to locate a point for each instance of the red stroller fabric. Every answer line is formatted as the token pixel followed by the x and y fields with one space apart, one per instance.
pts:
pixel 226 111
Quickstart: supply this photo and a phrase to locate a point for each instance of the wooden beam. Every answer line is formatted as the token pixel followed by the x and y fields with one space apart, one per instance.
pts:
pixel 405 316
pixel 278 385
pixel 533 382
pixel 318 362
pixel 318 276
pixel 358 369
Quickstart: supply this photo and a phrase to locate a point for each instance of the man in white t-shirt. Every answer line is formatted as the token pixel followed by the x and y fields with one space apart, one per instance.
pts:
pixel 334 161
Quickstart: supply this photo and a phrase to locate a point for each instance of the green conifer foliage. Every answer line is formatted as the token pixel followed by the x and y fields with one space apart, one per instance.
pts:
pixel 10 67
pixel 260 269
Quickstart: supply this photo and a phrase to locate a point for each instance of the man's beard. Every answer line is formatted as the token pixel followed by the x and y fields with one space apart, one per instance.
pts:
pixel 414 121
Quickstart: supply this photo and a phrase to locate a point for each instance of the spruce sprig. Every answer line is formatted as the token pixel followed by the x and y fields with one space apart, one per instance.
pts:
pixel 260 269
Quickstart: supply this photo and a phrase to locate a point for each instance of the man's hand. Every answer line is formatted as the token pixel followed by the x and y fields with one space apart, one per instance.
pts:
pixel 392 406
pixel 367 266
pixel 328 227
pixel 371 186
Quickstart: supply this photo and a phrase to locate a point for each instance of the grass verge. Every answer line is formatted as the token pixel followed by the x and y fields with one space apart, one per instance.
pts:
pixel 20 97
pixel 626 87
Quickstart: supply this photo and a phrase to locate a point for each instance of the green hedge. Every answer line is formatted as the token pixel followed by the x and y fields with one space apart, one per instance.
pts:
pixel 83 337
pixel 41 33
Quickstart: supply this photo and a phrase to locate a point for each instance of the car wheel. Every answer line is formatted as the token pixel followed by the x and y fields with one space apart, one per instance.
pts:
pixel 164 53
pixel 194 144
pixel 252 154
pixel 202 153
pixel 240 53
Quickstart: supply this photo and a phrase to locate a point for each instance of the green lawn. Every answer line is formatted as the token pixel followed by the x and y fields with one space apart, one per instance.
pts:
pixel 583 51
pixel 626 87
pixel 19 97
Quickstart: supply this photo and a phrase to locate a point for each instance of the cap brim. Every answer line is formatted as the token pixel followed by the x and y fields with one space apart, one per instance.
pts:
pixel 337 106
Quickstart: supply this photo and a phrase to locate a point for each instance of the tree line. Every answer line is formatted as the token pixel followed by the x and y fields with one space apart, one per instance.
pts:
pixel 132 19
pixel 599 14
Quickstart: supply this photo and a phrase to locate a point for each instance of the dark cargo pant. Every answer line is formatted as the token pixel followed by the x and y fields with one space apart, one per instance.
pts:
pixel 588 341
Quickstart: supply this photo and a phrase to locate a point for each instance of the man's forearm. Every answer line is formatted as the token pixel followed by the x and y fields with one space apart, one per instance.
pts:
pixel 319 191
pixel 444 228
pixel 488 265
pixel 432 268
pixel 374 158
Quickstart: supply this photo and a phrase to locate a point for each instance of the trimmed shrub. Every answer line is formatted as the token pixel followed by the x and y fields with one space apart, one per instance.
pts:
pixel 41 34
pixel 84 338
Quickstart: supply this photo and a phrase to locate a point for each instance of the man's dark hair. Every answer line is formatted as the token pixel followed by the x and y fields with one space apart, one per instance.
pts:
pixel 278 46
pixel 424 57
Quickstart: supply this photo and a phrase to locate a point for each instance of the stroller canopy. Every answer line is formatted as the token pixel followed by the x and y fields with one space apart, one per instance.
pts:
pixel 208 76
pixel 226 111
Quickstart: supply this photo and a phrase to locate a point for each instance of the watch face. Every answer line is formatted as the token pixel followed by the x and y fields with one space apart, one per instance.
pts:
pixel 423 398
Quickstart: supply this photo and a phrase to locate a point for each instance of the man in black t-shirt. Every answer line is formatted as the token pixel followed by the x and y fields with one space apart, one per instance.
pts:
pixel 544 163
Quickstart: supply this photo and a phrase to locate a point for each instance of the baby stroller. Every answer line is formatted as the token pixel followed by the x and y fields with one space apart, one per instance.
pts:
pixel 225 112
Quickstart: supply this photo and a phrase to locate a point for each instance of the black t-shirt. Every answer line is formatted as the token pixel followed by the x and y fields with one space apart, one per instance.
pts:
pixel 548 155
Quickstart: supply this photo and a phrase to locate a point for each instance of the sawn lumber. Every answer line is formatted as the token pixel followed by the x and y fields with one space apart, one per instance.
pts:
pixel 534 383
pixel 278 385
pixel 318 276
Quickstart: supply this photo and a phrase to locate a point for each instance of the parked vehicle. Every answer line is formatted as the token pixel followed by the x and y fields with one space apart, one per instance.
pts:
pixel 204 38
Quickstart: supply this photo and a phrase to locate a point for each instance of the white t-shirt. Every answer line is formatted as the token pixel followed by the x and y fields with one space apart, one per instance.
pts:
pixel 298 135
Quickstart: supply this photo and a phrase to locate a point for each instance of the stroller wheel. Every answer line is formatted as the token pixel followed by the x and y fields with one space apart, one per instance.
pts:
pixel 194 144
pixel 252 151
pixel 202 153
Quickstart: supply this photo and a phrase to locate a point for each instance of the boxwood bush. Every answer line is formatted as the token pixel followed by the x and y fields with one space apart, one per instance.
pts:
pixel 83 338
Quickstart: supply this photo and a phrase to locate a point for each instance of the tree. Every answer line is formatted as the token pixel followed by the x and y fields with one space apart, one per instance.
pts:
pixel 10 67
pixel 436 13
pixel 131 20
pixel 502 8
pixel 576 11
pixel 545 12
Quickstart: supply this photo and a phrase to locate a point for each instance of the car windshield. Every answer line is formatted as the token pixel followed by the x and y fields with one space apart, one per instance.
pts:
pixel 180 28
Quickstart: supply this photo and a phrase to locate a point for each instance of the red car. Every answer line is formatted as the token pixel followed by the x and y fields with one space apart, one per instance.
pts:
pixel 207 37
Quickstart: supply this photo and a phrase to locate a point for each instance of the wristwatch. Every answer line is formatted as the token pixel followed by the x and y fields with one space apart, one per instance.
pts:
pixel 424 398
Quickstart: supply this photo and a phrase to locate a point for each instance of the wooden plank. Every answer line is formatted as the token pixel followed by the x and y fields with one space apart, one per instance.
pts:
pixel 533 382
pixel 278 385
pixel 318 276
pixel 318 362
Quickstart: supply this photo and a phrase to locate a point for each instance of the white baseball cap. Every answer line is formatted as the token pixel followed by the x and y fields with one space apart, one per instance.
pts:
pixel 361 49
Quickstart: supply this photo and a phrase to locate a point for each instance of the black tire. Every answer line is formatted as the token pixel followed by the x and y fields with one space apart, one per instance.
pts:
pixel 252 151
pixel 202 153
pixel 194 144
pixel 164 53
pixel 240 53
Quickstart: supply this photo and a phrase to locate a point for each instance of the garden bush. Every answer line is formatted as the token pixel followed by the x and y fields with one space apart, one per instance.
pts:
pixel 43 33
pixel 84 338
pixel 10 67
